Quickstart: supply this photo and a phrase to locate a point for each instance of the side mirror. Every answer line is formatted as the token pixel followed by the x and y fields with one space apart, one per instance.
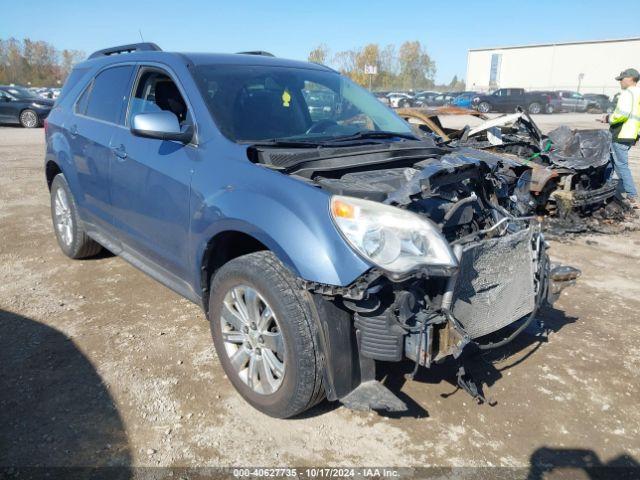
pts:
pixel 161 126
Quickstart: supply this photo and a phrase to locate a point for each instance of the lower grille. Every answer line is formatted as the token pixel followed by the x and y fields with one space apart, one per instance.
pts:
pixel 495 284
pixel 380 338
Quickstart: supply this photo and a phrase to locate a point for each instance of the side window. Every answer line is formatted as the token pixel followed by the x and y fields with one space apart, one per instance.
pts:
pixel 81 104
pixel 109 94
pixel 155 92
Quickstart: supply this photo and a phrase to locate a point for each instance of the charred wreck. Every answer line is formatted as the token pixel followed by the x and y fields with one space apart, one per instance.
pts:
pixel 569 179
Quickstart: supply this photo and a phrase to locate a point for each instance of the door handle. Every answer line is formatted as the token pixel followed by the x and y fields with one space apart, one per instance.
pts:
pixel 119 151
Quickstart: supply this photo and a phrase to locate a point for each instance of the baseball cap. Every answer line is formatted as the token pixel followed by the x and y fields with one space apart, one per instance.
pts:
pixel 629 72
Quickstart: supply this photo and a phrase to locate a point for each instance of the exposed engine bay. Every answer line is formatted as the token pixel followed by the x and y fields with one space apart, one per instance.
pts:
pixel 568 182
pixel 503 274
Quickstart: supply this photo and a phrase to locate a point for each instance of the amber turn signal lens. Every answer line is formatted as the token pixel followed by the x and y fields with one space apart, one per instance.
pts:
pixel 342 209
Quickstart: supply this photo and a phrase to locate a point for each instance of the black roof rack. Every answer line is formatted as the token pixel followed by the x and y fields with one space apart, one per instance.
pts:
pixel 132 47
pixel 257 52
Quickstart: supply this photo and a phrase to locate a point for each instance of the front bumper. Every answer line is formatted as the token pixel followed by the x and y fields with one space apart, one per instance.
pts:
pixel 501 281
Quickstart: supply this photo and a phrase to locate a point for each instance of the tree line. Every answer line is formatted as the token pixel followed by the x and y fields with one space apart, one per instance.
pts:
pixel 39 64
pixel 406 68
pixel 35 63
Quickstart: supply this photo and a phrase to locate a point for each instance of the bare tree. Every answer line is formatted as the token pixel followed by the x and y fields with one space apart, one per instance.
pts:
pixel 320 54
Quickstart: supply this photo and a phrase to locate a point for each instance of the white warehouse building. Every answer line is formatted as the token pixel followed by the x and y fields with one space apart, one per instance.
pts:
pixel 587 67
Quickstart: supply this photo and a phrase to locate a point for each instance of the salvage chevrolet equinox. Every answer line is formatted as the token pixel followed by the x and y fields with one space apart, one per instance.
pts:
pixel 316 231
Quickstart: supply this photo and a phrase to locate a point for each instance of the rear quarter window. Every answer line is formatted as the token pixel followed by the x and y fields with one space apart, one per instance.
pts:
pixel 72 80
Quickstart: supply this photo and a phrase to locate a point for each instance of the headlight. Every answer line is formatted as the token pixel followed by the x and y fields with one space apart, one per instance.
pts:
pixel 394 239
pixel 476 99
pixel 38 105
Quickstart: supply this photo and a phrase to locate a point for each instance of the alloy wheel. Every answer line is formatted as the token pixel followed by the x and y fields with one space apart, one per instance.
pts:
pixel 29 119
pixel 63 218
pixel 253 340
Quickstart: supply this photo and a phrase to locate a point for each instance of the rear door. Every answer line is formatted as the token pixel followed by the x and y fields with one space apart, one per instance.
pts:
pixel 97 116
pixel 150 181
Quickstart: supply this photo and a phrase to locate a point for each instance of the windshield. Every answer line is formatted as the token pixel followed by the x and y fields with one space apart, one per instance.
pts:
pixel 20 92
pixel 266 103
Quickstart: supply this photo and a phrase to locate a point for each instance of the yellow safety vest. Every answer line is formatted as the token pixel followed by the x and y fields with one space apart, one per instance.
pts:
pixel 627 113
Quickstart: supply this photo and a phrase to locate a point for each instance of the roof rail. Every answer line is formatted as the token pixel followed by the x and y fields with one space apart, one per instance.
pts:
pixel 257 52
pixel 132 47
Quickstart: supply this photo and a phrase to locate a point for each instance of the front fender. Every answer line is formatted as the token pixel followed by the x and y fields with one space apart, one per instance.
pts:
pixel 293 222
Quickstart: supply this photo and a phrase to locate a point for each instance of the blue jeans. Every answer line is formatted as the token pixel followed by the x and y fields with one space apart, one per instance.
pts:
pixel 620 155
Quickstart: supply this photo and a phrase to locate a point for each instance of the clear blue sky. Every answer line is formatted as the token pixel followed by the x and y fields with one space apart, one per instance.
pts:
pixel 291 28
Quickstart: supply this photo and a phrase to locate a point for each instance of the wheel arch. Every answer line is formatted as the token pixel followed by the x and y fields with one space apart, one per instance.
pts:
pixel 51 170
pixel 220 249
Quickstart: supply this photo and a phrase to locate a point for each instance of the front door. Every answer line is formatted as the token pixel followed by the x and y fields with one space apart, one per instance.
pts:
pixel 8 112
pixel 150 181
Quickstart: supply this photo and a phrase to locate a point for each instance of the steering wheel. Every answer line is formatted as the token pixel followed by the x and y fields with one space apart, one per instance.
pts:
pixel 321 125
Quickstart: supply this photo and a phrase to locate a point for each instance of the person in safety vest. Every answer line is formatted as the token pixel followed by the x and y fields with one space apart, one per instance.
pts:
pixel 625 126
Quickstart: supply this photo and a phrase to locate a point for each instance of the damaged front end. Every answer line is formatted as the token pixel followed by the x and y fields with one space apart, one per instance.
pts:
pixel 499 278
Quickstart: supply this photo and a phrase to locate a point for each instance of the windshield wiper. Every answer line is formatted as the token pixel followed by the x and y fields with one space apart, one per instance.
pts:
pixel 371 134
pixel 332 141
pixel 286 143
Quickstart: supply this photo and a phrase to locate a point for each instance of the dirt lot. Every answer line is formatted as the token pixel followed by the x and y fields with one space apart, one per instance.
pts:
pixel 100 365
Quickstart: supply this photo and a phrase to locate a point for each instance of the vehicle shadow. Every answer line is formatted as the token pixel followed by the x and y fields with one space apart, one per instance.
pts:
pixel 548 462
pixel 56 414
pixel 480 365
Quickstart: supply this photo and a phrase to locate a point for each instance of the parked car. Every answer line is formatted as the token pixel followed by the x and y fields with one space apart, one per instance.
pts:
pixel 422 99
pixel 599 103
pixel 464 99
pixel 508 99
pixel 382 97
pixel 400 99
pixel 572 101
pixel 554 104
pixel 20 106
pixel 311 264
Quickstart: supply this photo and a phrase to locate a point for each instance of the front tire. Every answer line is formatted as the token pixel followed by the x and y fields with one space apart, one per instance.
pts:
pixel 29 119
pixel 263 330
pixel 72 239
pixel 484 107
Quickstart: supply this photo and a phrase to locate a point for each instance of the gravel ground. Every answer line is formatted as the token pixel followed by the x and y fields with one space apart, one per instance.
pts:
pixel 100 365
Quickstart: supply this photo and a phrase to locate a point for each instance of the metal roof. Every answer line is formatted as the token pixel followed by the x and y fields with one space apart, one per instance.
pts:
pixel 556 44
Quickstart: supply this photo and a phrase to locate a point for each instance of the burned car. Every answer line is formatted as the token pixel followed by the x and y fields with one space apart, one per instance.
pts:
pixel 318 237
pixel 568 180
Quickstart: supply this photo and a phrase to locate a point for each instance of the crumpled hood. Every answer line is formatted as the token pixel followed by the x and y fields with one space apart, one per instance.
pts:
pixel 579 149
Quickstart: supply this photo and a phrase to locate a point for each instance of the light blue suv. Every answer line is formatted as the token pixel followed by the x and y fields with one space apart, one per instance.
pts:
pixel 318 237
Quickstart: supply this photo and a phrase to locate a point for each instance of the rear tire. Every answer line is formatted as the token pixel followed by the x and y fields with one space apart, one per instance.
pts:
pixel 534 108
pixel 237 339
pixel 72 239
pixel 29 119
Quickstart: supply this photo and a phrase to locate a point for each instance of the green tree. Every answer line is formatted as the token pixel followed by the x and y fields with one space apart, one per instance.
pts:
pixel 417 70
pixel 456 85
